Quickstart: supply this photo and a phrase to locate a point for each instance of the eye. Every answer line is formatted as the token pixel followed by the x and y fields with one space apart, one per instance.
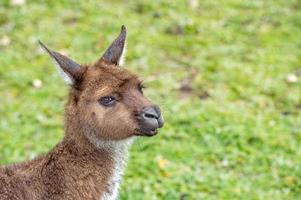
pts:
pixel 107 101
pixel 141 87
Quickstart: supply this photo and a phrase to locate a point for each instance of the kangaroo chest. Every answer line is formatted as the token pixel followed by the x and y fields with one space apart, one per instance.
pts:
pixel 118 153
pixel 114 180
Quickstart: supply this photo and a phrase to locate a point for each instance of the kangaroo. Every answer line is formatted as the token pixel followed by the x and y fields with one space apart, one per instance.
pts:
pixel 105 111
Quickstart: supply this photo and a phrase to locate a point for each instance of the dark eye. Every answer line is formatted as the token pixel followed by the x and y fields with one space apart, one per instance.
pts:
pixel 141 87
pixel 107 101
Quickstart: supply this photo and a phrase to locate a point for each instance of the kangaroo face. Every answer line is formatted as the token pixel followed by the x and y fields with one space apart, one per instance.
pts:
pixel 106 100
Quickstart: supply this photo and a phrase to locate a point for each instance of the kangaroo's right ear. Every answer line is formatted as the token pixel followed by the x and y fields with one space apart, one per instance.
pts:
pixel 70 71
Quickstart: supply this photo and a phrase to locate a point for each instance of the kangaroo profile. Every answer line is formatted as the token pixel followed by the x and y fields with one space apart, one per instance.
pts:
pixel 105 111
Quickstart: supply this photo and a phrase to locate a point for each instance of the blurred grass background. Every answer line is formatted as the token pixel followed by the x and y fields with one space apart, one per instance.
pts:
pixel 227 75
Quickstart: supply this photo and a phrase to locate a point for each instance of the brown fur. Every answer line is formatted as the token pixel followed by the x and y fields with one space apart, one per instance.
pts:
pixel 75 168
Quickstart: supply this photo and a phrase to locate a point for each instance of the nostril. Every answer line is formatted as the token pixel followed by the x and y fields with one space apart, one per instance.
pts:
pixel 149 115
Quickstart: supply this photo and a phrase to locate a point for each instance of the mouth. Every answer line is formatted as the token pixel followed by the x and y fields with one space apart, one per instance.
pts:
pixel 148 133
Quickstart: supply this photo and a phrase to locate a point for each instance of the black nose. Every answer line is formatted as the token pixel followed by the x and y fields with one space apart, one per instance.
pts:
pixel 151 119
pixel 150 112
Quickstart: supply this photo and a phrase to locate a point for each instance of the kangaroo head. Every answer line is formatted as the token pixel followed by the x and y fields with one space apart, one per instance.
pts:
pixel 106 101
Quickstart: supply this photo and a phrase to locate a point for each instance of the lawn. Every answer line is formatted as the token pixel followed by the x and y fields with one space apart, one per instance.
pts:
pixel 227 75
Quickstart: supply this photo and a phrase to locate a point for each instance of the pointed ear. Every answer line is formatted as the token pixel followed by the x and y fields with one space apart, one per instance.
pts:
pixel 69 70
pixel 115 53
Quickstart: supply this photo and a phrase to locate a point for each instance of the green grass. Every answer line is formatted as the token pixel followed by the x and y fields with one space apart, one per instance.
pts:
pixel 234 133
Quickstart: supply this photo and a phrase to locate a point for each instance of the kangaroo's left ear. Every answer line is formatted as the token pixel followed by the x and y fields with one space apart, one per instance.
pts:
pixel 114 55
pixel 70 71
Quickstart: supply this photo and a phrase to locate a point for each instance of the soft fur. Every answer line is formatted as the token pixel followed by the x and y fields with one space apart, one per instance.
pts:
pixel 88 163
